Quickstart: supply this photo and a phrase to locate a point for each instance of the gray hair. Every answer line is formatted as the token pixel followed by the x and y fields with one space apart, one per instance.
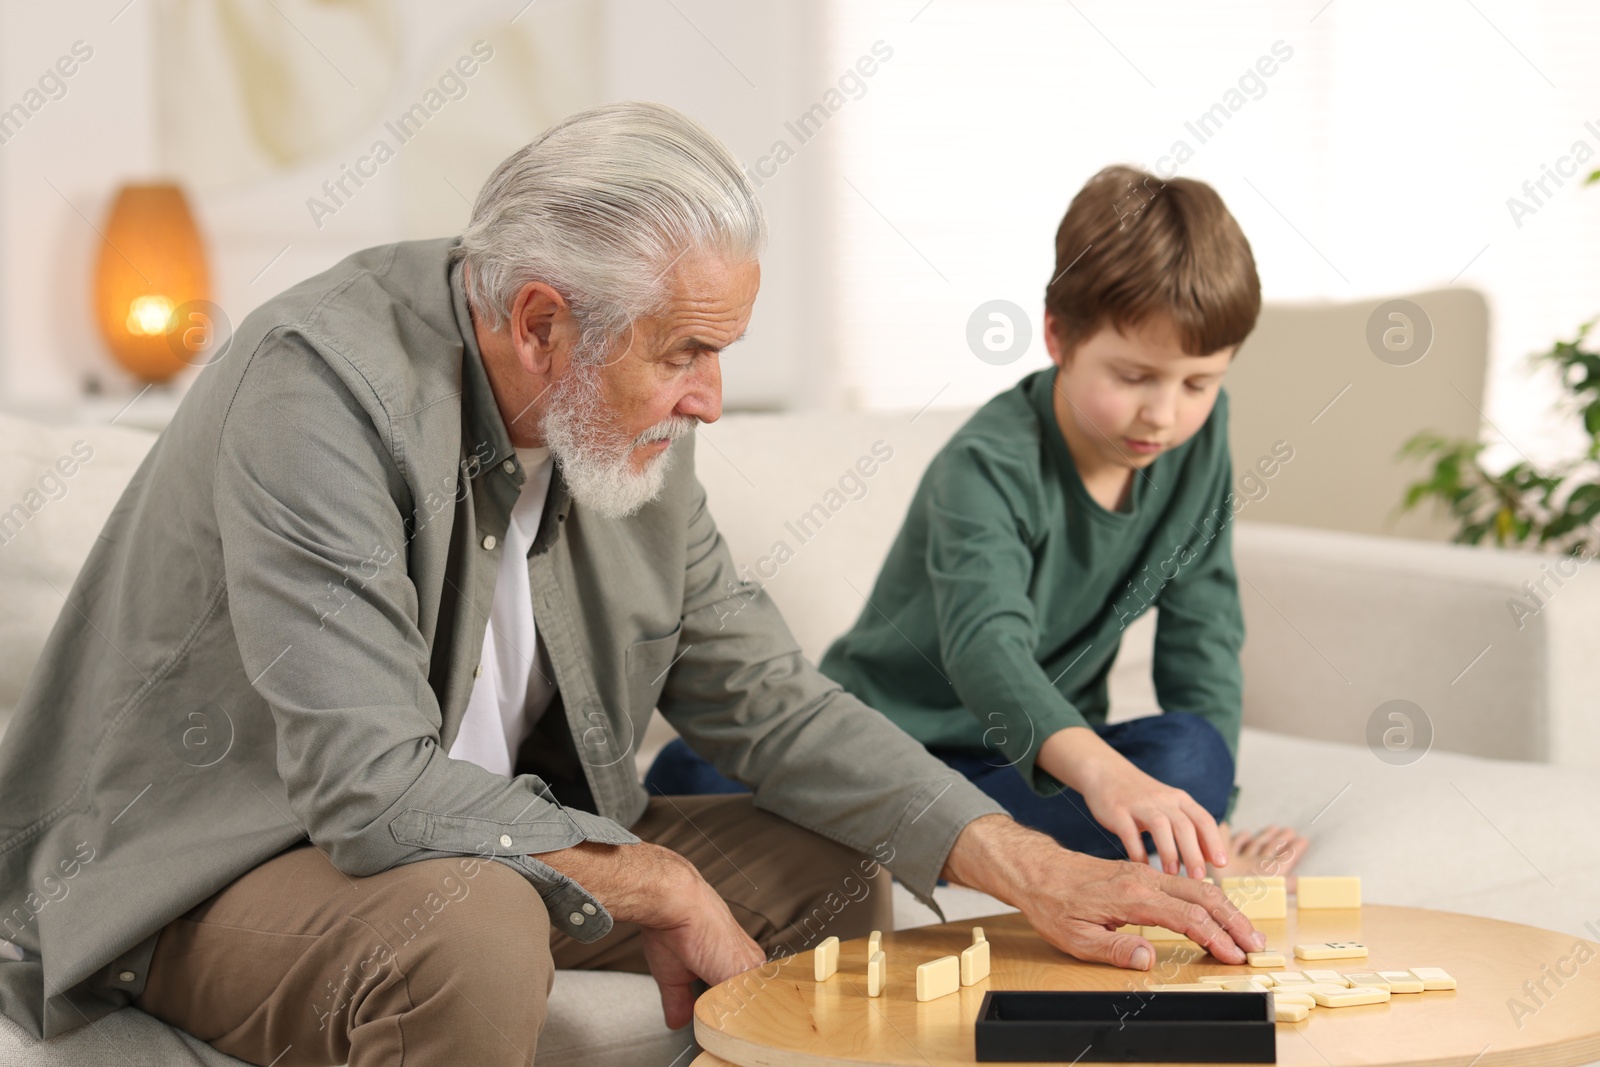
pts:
pixel 599 207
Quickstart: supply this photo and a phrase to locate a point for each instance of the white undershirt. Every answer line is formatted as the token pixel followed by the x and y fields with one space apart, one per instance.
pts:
pixel 516 683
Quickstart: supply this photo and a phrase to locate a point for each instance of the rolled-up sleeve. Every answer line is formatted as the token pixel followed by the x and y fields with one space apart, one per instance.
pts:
pixel 311 504
pixel 743 695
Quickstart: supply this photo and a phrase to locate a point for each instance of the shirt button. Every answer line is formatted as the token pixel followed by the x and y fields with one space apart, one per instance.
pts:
pixel 489 541
pixel 510 466
pixel 576 919
pixel 588 909
pixel 505 840
pixel 125 976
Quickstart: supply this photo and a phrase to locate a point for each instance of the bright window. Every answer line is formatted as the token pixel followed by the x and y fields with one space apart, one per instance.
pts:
pixel 1377 158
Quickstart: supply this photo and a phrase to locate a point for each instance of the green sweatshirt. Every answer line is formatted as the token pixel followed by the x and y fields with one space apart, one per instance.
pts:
pixel 1002 603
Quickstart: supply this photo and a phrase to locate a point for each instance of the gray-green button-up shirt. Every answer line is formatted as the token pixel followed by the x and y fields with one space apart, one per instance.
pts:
pixel 275 635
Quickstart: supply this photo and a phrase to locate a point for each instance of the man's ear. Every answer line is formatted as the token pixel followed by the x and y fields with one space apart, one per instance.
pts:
pixel 541 321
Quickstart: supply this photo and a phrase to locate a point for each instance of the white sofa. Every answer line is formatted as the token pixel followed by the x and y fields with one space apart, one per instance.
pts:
pixel 1497 819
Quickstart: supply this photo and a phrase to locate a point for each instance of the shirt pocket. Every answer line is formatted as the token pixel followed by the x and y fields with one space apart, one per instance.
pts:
pixel 647 665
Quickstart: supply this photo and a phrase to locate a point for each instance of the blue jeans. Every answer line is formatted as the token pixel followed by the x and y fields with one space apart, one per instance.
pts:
pixel 1178 748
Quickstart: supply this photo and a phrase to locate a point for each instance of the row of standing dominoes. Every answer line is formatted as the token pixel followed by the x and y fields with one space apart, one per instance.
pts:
pixel 825 961
pixel 1267 897
pixel 943 976
pixel 1261 897
pixel 936 978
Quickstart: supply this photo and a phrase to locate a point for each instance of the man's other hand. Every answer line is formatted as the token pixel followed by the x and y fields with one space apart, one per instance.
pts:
pixel 687 928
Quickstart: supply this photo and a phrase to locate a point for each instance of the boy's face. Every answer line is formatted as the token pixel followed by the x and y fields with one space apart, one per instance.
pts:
pixel 1125 398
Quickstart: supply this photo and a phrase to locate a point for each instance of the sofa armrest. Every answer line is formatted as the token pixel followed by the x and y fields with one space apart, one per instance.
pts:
pixel 1337 624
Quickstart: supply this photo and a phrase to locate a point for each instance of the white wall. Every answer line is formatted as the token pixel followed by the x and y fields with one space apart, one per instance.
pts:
pixel 1387 144
pixel 744 69
pixel 56 181
pixel 1377 159
pixel 741 69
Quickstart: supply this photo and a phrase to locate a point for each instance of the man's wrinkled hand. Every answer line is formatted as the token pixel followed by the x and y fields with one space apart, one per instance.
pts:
pixel 1076 902
pixel 705 943
pixel 688 931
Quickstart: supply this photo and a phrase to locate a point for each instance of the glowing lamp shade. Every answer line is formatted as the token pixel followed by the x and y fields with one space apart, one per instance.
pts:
pixel 151 264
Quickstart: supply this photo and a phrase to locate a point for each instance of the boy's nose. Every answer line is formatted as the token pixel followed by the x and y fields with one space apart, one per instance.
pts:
pixel 1160 413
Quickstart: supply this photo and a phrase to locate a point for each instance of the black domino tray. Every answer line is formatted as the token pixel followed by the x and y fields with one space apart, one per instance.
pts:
pixel 1126 1027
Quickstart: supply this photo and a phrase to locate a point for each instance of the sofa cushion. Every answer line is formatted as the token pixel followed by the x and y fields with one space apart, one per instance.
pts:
pixel 791 498
pixel 128 1036
pixel 1499 838
pixel 1338 624
pixel 596 1019
pixel 48 521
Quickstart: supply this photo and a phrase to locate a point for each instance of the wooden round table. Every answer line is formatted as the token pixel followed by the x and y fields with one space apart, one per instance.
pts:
pixel 779 1016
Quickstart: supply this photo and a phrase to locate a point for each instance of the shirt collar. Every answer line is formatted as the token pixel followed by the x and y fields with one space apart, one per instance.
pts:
pixel 482 428
pixel 1041 387
pixel 481 425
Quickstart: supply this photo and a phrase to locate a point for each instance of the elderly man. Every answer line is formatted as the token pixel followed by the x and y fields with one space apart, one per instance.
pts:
pixel 329 755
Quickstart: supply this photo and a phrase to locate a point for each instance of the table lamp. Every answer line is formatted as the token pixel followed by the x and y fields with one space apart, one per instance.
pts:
pixel 151 264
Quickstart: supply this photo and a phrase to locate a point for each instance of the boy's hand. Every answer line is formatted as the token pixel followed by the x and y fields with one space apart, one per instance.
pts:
pixel 1129 802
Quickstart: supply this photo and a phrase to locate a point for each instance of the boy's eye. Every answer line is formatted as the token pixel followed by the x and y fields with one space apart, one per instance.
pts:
pixel 1195 387
pixel 1131 379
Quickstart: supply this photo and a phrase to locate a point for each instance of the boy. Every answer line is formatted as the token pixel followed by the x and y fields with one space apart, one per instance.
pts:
pixel 1061 511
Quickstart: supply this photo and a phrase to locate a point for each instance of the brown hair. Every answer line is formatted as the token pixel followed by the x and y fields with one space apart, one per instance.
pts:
pixel 1132 245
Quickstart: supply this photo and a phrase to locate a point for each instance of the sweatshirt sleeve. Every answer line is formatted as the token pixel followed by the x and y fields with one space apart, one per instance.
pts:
pixel 981 511
pixel 1199 625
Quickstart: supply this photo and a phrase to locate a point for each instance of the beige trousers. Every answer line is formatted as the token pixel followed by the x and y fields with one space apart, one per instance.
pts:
pixel 450 961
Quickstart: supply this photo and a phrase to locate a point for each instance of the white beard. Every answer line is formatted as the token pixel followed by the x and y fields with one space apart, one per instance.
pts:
pixel 596 462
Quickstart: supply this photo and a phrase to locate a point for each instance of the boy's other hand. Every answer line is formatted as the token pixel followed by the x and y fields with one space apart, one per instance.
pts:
pixel 1130 803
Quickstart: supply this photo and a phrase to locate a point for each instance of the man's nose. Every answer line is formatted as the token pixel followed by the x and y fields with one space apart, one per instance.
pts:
pixel 703 400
